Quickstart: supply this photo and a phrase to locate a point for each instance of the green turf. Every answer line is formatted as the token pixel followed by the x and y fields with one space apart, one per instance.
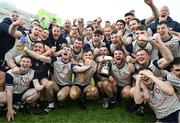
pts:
pixel 93 114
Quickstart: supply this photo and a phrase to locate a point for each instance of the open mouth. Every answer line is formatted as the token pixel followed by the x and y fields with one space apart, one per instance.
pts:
pixel 163 15
pixel 65 54
pixel 140 59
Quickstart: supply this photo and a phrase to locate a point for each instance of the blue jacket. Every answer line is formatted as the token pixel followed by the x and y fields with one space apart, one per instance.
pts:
pixel 173 25
pixel 6 40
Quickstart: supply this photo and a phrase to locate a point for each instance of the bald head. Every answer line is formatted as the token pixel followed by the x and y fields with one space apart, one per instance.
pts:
pixel 164 13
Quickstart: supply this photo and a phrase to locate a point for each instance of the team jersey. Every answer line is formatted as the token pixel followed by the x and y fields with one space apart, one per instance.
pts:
pixel 20 82
pixel 162 104
pixel 121 75
pixel 113 48
pixel 62 71
pixel 153 65
pixel 175 81
pixel 174 45
pixel 87 75
pixel 24 41
pixel 40 68
pixel 134 47
pixel 77 57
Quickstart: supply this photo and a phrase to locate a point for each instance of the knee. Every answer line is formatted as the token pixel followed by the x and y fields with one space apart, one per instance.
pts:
pixel 105 84
pixel 126 93
pixel 74 95
pixel 49 86
pixel 93 92
pixel 99 85
pixel 132 92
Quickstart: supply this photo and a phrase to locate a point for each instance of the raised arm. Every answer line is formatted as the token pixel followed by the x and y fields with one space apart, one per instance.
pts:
pixel 166 87
pixel 159 44
pixel 154 11
pixel 138 96
pixel 13 28
pixel 78 69
pixel 165 52
pixel 37 56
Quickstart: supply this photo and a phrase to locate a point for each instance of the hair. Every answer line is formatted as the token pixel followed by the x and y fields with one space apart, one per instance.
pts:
pixel 115 31
pixel 26 56
pixel 87 50
pixel 144 68
pixel 107 21
pixel 90 26
pixel 163 22
pixel 143 50
pixel 136 19
pixel 128 13
pixel 35 20
pixel 141 28
pixel 14 11
pixel 98 32
pixel 54 19
pixel 40 42
pixel 121 21
pixel 80 38
pixel 119 50
pixel 176 61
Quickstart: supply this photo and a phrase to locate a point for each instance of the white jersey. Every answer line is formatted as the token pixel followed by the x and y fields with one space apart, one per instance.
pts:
pixel 20 82
pixel 162 104
pixel 18 47
pixel 77 57
pixel 92 47
pixel 148 47
pixel 175 81
pixel 122 76
pixel 113 48
pixel 87 74
pixel 174 45
pixel 62 71
pixel 153 65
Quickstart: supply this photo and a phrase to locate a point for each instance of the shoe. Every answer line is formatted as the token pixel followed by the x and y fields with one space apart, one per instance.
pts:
pixel 38 109
pixel 51 107
pixel 61 104
pixel 24 108
pixel 81 103
pixel 113 100
pixel 105 102
pixel 140 111
pixel 17 105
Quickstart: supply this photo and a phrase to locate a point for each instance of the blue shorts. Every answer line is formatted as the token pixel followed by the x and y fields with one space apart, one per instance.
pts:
pixel 171 118
pixel 82 87
pixel 17 97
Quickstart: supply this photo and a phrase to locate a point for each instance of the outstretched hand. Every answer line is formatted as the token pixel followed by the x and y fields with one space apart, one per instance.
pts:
pixel 10 115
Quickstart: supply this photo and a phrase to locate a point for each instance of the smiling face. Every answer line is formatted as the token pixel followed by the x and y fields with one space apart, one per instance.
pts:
pixel 119 56
pixel 163 30
pixel 164 13
pixel 139 33
pixel 14 16
pixel 176 70
pixel 25 64
pixel 39 48
pixel 142 57
pixel 56 32
pixel 88 55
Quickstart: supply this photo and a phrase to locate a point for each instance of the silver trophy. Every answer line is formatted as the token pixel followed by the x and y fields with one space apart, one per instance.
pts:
pixel 105 69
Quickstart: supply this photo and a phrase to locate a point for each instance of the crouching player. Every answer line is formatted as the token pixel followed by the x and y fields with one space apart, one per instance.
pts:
pixel 84 72
pixel 17 87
